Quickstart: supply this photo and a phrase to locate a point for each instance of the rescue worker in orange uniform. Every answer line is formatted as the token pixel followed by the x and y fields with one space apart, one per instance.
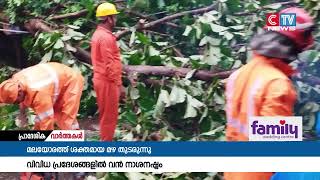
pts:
pixel 262 87
pixel 52 90
pixel 107 70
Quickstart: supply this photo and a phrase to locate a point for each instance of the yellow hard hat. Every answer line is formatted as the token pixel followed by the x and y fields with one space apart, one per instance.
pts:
pixel 106 9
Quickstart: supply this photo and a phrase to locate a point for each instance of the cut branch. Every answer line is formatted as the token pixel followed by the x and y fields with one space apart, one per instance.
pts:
pixel 35 25
pixel 177 52
pixel 77 14
pixel 178 15
pixel 157 33
pixel 70 15
pixel 142 16
pixel 139 26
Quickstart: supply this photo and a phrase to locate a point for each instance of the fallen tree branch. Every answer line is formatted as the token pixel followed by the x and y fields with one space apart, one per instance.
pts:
pixel 35 25
pixel 79 13
pixel 170 72
pixel 159 70
pixel 178 15
pixel 157 33
pixel 85 11
pixel 69 15
pixel 177 52
pixel 171 46
pixel 149 18
pixel 165 19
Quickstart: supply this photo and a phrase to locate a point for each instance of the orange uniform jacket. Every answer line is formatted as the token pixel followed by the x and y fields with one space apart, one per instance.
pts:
pixel 105 56
pixel 260 88
pixel 53 91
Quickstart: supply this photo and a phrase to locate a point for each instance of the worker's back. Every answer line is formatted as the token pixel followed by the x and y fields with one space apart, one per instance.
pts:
pixel 260 88
pixel 47 78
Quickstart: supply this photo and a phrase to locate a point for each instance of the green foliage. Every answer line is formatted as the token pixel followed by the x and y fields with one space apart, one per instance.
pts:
pixel 307 88
pixel 8 113
pixel 313 6
pixel 7 117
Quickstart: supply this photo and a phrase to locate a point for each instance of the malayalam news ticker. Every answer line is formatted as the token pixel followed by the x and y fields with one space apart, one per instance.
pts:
pixel 157 164
pixel 157 156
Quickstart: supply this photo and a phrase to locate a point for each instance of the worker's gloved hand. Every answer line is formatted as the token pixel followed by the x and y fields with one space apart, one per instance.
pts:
pixel 22 120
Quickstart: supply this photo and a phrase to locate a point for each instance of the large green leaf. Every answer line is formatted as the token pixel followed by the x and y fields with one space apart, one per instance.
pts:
pixel 47 57
pixel 177 95
pixel 187 31
pixel 153 51
pixel 142 38
pixel 217 28
pixel 163 101
pixel 134 93
pixel 161 3
pixel 75 35
pixel 59 44
pixel 132 37
pixel 192 106
pixel 139 176
pixel 213 132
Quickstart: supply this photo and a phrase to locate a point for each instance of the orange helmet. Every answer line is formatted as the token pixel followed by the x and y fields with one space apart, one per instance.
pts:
pixel 9 91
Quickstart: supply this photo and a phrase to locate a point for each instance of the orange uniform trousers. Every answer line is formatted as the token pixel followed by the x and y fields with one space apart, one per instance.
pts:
pixel 108 94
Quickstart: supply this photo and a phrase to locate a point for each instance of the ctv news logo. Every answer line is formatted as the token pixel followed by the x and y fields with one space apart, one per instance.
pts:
pixel 275 128
pixel 281 22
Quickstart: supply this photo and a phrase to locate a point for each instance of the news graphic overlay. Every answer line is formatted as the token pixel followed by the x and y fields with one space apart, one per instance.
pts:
pixel 51 135
pixel 159 156
pixel 275 128
pixel 281 21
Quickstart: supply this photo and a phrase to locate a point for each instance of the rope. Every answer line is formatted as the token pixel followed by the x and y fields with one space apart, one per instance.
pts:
pixel 14 31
